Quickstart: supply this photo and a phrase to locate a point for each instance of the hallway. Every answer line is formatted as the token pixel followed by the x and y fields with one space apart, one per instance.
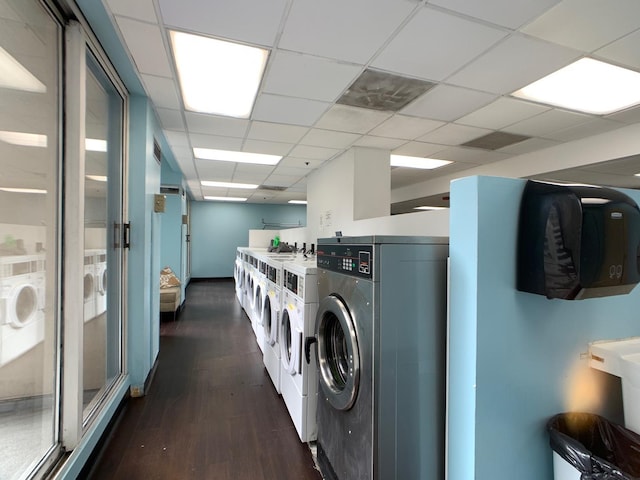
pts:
pixel 211 411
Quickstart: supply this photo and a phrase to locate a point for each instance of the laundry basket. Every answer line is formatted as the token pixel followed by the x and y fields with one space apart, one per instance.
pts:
pixel 587 446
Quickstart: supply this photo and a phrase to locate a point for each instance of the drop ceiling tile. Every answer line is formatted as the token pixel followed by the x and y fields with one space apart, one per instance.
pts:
pixel 306 163
pixel 418 149
pixel 329 138
pixel 253 169
pixel 217 142
pixel 281 180
pixel 447 103
pixel 470 155
pixel 316 153
pixel 352 31
pixel 408 128
pixel 586 24
pixel 170 119
pixel 629 116
pixel 212 168
pixel 383 143
pixel 343 118
pixel 587 129
pixel 501 113
pixel 145 43
pixel 176 139
pixel 162 91
pixel 453 134
pixel 625 51
pixel 255 178
pixel 276 132
pixel 431 30
pixel 296 111
pixel 624 166
pixel 528 146
pixel 291 171
pixel 269 148
pixel 512 64
pixel 216 125
pixel 508 13
pixel 297 75
pixel 252 21
pixel 547 123
pixel 140 9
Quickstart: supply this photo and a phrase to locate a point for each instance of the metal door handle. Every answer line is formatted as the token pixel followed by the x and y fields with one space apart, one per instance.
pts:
pixel 307 348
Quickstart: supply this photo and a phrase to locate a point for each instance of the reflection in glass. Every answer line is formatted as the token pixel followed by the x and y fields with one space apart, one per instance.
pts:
pixel 29 162
pixel 103 196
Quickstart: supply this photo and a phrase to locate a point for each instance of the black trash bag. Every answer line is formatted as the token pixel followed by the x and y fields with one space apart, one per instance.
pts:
pixel 597 448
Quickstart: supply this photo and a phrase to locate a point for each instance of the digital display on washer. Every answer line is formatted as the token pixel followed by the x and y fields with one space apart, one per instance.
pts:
pixel 271 273
pixel 291 281
pixel 355 260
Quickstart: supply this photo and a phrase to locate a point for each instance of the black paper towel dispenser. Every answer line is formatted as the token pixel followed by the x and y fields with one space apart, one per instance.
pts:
pixel 577 241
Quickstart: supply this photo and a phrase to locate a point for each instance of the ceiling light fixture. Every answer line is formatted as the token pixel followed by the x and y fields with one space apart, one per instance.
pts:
pixel 216 76
pixel 240 157
pixel 97 178
pixel 226 199
pixel 95 145
pixel 417 162
pixel 429 208
pixel 23 139
pixel 15 76
pixel 588 86
pixel 207 183
pixel 23 190
pixel 298 202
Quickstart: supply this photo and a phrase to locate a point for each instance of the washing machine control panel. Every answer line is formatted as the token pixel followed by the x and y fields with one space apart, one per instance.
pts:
pixel 356 260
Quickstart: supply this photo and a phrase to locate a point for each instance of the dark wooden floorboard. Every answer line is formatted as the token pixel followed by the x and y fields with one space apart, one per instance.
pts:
pixel 211 411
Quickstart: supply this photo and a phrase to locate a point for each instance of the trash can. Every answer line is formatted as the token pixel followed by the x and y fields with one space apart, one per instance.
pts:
pixel 589 447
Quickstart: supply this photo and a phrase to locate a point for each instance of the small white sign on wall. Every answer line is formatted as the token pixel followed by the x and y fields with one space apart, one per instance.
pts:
pixel 325 219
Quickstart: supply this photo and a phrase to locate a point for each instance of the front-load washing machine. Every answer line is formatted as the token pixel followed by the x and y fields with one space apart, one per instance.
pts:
pixel 381 335
pixel 299 379
pixel 101 281
pixel 260 294
pixel 271 314
pixel 22 297
pixel 238 275
pixel 89 289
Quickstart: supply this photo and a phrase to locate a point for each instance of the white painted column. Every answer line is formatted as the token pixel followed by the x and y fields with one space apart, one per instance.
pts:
pixel 371 183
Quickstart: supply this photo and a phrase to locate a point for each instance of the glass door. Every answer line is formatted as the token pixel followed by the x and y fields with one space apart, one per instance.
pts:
pixel 103 194
pixel 30 126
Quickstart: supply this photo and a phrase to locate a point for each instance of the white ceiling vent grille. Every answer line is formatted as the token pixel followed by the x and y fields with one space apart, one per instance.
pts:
pixel 383 91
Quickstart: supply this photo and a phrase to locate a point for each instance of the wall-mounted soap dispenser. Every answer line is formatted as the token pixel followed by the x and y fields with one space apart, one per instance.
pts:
pixel 577 241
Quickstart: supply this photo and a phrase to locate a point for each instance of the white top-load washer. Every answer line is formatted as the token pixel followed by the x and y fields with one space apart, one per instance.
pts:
pixel 299 379
pixel 22 300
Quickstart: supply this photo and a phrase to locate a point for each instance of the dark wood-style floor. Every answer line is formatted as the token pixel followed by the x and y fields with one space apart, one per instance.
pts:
pixel 211 411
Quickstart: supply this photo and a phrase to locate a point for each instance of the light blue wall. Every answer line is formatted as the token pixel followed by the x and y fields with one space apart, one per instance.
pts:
pixel 511 353
pixel 218 228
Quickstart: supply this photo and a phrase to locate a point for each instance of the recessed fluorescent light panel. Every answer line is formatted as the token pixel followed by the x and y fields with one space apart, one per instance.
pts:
pixel 226 199
pixel 95 145
pixel 15 76
pixel 23 190
pixel 588 86
pixel 429 208
pixel 97 178
pixel 417 162
pixel 216 76
pixel 207 183
pixel 240 157
pixel 23 139
pixel 298 202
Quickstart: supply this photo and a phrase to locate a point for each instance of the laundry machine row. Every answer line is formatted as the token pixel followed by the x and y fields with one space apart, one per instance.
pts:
pixel 381 334
pixel 22 302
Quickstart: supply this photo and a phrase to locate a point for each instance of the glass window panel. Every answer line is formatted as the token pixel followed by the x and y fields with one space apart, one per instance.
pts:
pixel 30 46
pixel 102 256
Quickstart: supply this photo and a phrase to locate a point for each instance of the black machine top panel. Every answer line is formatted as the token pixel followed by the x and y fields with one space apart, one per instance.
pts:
pixel 355 260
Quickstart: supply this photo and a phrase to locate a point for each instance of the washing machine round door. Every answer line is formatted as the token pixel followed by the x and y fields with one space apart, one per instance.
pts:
pixel 267 320
pixel 338 353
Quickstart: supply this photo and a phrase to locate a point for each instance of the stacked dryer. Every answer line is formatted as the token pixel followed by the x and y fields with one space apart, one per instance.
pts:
pixel 22 300
pixel 299 379
pixel 381 336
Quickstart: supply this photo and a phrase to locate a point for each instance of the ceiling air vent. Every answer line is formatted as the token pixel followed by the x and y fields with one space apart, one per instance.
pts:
pixel 157 152
pixel 383 91
pixel 272 188
pixel 495 140
pixel 170 190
